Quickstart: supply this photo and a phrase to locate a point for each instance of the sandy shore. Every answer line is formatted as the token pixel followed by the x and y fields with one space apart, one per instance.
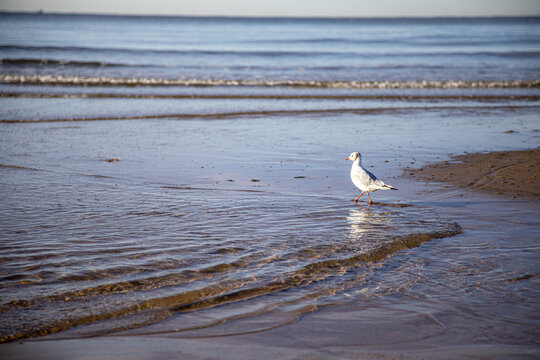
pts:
pixel 507 173
pixel 241 348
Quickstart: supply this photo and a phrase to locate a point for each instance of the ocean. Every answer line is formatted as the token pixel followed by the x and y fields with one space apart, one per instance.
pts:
pixel 186 175
pixel 333 53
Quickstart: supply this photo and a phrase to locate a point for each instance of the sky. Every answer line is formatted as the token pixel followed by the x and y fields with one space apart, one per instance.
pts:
pixel 295 8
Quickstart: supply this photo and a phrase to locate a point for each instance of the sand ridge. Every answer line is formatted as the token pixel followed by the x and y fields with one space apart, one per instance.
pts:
pixel 508 173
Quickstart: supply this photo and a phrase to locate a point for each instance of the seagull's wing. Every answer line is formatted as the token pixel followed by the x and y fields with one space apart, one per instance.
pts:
pixel 371 175
pixel 376 183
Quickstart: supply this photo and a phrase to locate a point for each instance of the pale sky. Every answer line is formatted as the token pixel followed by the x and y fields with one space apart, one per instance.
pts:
pixel 332 8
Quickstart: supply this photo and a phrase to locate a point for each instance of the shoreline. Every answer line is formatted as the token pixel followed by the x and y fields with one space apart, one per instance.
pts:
pixel 511 174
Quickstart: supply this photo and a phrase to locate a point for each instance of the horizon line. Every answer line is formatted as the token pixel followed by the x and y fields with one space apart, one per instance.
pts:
pixel 43 12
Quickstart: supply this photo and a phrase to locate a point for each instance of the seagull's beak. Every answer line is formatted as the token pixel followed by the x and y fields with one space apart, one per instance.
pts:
pixel 348 158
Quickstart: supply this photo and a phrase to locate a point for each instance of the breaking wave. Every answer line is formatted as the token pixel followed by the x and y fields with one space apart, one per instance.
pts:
pixel 413 84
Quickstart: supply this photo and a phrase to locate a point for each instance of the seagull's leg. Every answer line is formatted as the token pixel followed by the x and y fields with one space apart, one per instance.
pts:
pixel 356 200
pixel 370 202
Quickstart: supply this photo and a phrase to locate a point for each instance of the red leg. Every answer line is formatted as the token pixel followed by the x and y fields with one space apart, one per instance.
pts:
pixel 370 202
pixel 356 200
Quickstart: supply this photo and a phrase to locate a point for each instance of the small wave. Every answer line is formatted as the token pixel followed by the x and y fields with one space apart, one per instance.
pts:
pixel 413 84
pixel 203 298
pixel 277 53
pixel 175 52
pixel 18 167
pixel 55 62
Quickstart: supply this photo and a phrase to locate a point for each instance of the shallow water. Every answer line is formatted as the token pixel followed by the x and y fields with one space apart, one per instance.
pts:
pixel 198 214
pixel 81 229
pixel 150 251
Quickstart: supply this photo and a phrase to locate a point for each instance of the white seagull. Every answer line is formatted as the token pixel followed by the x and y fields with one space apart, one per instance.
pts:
pixel 363 179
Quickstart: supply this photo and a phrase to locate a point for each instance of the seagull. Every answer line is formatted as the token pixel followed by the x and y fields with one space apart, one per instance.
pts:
pixel 363 179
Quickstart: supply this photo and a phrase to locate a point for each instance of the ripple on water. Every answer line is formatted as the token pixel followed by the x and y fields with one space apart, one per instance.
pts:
pixel 144 254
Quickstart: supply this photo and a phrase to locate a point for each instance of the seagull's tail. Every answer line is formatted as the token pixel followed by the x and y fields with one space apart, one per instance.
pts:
pixel 389 187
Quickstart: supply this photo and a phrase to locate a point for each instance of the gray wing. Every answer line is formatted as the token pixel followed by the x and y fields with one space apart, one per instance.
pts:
pixel 374 180
pixel 371 175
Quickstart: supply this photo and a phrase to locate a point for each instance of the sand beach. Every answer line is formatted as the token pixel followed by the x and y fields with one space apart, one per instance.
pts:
pixel 513 174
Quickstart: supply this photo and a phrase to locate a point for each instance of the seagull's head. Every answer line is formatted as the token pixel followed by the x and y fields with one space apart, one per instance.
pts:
pixel 353 156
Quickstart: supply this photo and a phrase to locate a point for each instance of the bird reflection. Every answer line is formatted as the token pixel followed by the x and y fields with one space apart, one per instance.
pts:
pixel 358 221
pixel 364 221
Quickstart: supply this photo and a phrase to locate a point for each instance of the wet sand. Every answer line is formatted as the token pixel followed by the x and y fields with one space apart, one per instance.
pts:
pixel 509 173
pixel 244 348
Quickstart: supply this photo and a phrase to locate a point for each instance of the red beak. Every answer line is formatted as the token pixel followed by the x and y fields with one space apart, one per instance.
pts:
pixel 348 158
